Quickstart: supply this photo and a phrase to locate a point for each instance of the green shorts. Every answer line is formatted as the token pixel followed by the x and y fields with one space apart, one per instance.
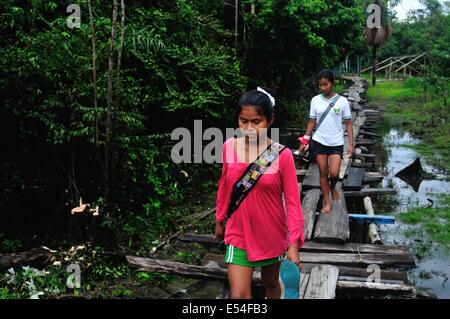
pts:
pixel 237 256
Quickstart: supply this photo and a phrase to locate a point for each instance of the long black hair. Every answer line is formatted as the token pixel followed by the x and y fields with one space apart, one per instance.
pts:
pixel 259 100
pixel 326 74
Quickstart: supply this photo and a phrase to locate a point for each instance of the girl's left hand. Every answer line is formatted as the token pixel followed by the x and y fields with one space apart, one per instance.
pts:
pixel 293 254
pixel 350 151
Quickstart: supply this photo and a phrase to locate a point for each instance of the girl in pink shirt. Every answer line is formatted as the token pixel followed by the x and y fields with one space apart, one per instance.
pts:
pixel 269 221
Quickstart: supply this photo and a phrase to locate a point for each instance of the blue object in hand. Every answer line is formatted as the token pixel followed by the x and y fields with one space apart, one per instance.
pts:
pixel 290 276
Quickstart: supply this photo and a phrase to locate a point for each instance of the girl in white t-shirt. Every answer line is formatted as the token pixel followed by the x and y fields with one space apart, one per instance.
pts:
pixel 328 141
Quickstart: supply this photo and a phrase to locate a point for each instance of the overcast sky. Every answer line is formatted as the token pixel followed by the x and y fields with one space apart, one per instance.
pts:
pixel 407 5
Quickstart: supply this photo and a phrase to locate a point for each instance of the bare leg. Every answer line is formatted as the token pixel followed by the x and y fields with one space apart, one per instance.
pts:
pixel 322 162
pixel 270 279
pixel 335 166
pixel 240 279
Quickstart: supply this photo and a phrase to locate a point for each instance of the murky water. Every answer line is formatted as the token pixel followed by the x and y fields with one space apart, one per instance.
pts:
pixel 433 262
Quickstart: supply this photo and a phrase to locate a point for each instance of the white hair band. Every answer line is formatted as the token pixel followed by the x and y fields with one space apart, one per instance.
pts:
pixel 272 99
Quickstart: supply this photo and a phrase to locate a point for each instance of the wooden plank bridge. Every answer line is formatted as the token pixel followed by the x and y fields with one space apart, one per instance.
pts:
pixel 331 265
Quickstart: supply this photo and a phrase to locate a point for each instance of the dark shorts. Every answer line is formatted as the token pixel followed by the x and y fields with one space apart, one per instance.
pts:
pixel 320 149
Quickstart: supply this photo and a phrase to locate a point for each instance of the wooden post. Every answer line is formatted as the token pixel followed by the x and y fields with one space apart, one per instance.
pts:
pixel 373 233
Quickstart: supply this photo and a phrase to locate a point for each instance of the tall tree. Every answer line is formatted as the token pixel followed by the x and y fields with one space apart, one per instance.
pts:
pixel 378 35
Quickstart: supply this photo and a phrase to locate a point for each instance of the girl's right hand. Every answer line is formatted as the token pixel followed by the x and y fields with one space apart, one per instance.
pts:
pixel 220 230
pixel 302 148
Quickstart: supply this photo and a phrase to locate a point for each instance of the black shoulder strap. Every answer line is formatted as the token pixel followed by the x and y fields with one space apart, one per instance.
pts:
pixel 251 176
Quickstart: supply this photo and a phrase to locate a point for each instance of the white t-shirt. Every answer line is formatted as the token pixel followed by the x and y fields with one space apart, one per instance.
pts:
pixel 331 131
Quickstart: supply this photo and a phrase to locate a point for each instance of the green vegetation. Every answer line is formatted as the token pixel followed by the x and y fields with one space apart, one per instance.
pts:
pixel 69 136
pixel 422 105
pixel 433 222
pixel 106 139
pixel 415 105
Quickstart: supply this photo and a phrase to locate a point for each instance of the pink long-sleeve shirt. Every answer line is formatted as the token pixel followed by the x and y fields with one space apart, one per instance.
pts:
pixel 264 225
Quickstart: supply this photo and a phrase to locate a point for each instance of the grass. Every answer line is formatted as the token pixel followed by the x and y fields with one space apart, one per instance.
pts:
pixel 433 222
pixel 393 90
pixel 426 115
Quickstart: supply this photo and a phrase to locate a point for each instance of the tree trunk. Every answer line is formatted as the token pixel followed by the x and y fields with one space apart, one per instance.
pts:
pixel 374 65
pixel 94 81
pixel 108 133
pixel 36 257
pixel 236 19
pixel 116 102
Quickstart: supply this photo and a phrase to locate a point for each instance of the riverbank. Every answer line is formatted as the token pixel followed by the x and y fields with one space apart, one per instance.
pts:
pixel 426 115
pixel 422 206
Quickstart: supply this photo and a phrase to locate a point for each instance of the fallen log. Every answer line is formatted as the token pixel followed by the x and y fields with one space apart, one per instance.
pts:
pixel 209 272
pixel 36 257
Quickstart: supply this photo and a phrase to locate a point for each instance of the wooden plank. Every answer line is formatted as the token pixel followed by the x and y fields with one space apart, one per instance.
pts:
pixel 366 126
pixel 350 260
pixel 362 279
pixel 309 208
pixel 346 162
pixel 310 246
pixel 379 288
pixel 301 172
pixel 312 177
pixel 180 269
pixel 362 165
pixel 364 156
pixel 322 282
pixel 303 285
pixel 354 248
pixel 369 177
pixel 354 179
pixel 370 192
pixel 333 226
pixel 365 133
pixel 177 268
pixel 375 219
pixel 360 260
pixel 372 179
pixel 361 272
pixel 364 142
pixel 364 149
pixel 385 274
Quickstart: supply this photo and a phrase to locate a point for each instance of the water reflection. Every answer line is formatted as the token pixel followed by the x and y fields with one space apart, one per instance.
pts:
pixel 433 266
